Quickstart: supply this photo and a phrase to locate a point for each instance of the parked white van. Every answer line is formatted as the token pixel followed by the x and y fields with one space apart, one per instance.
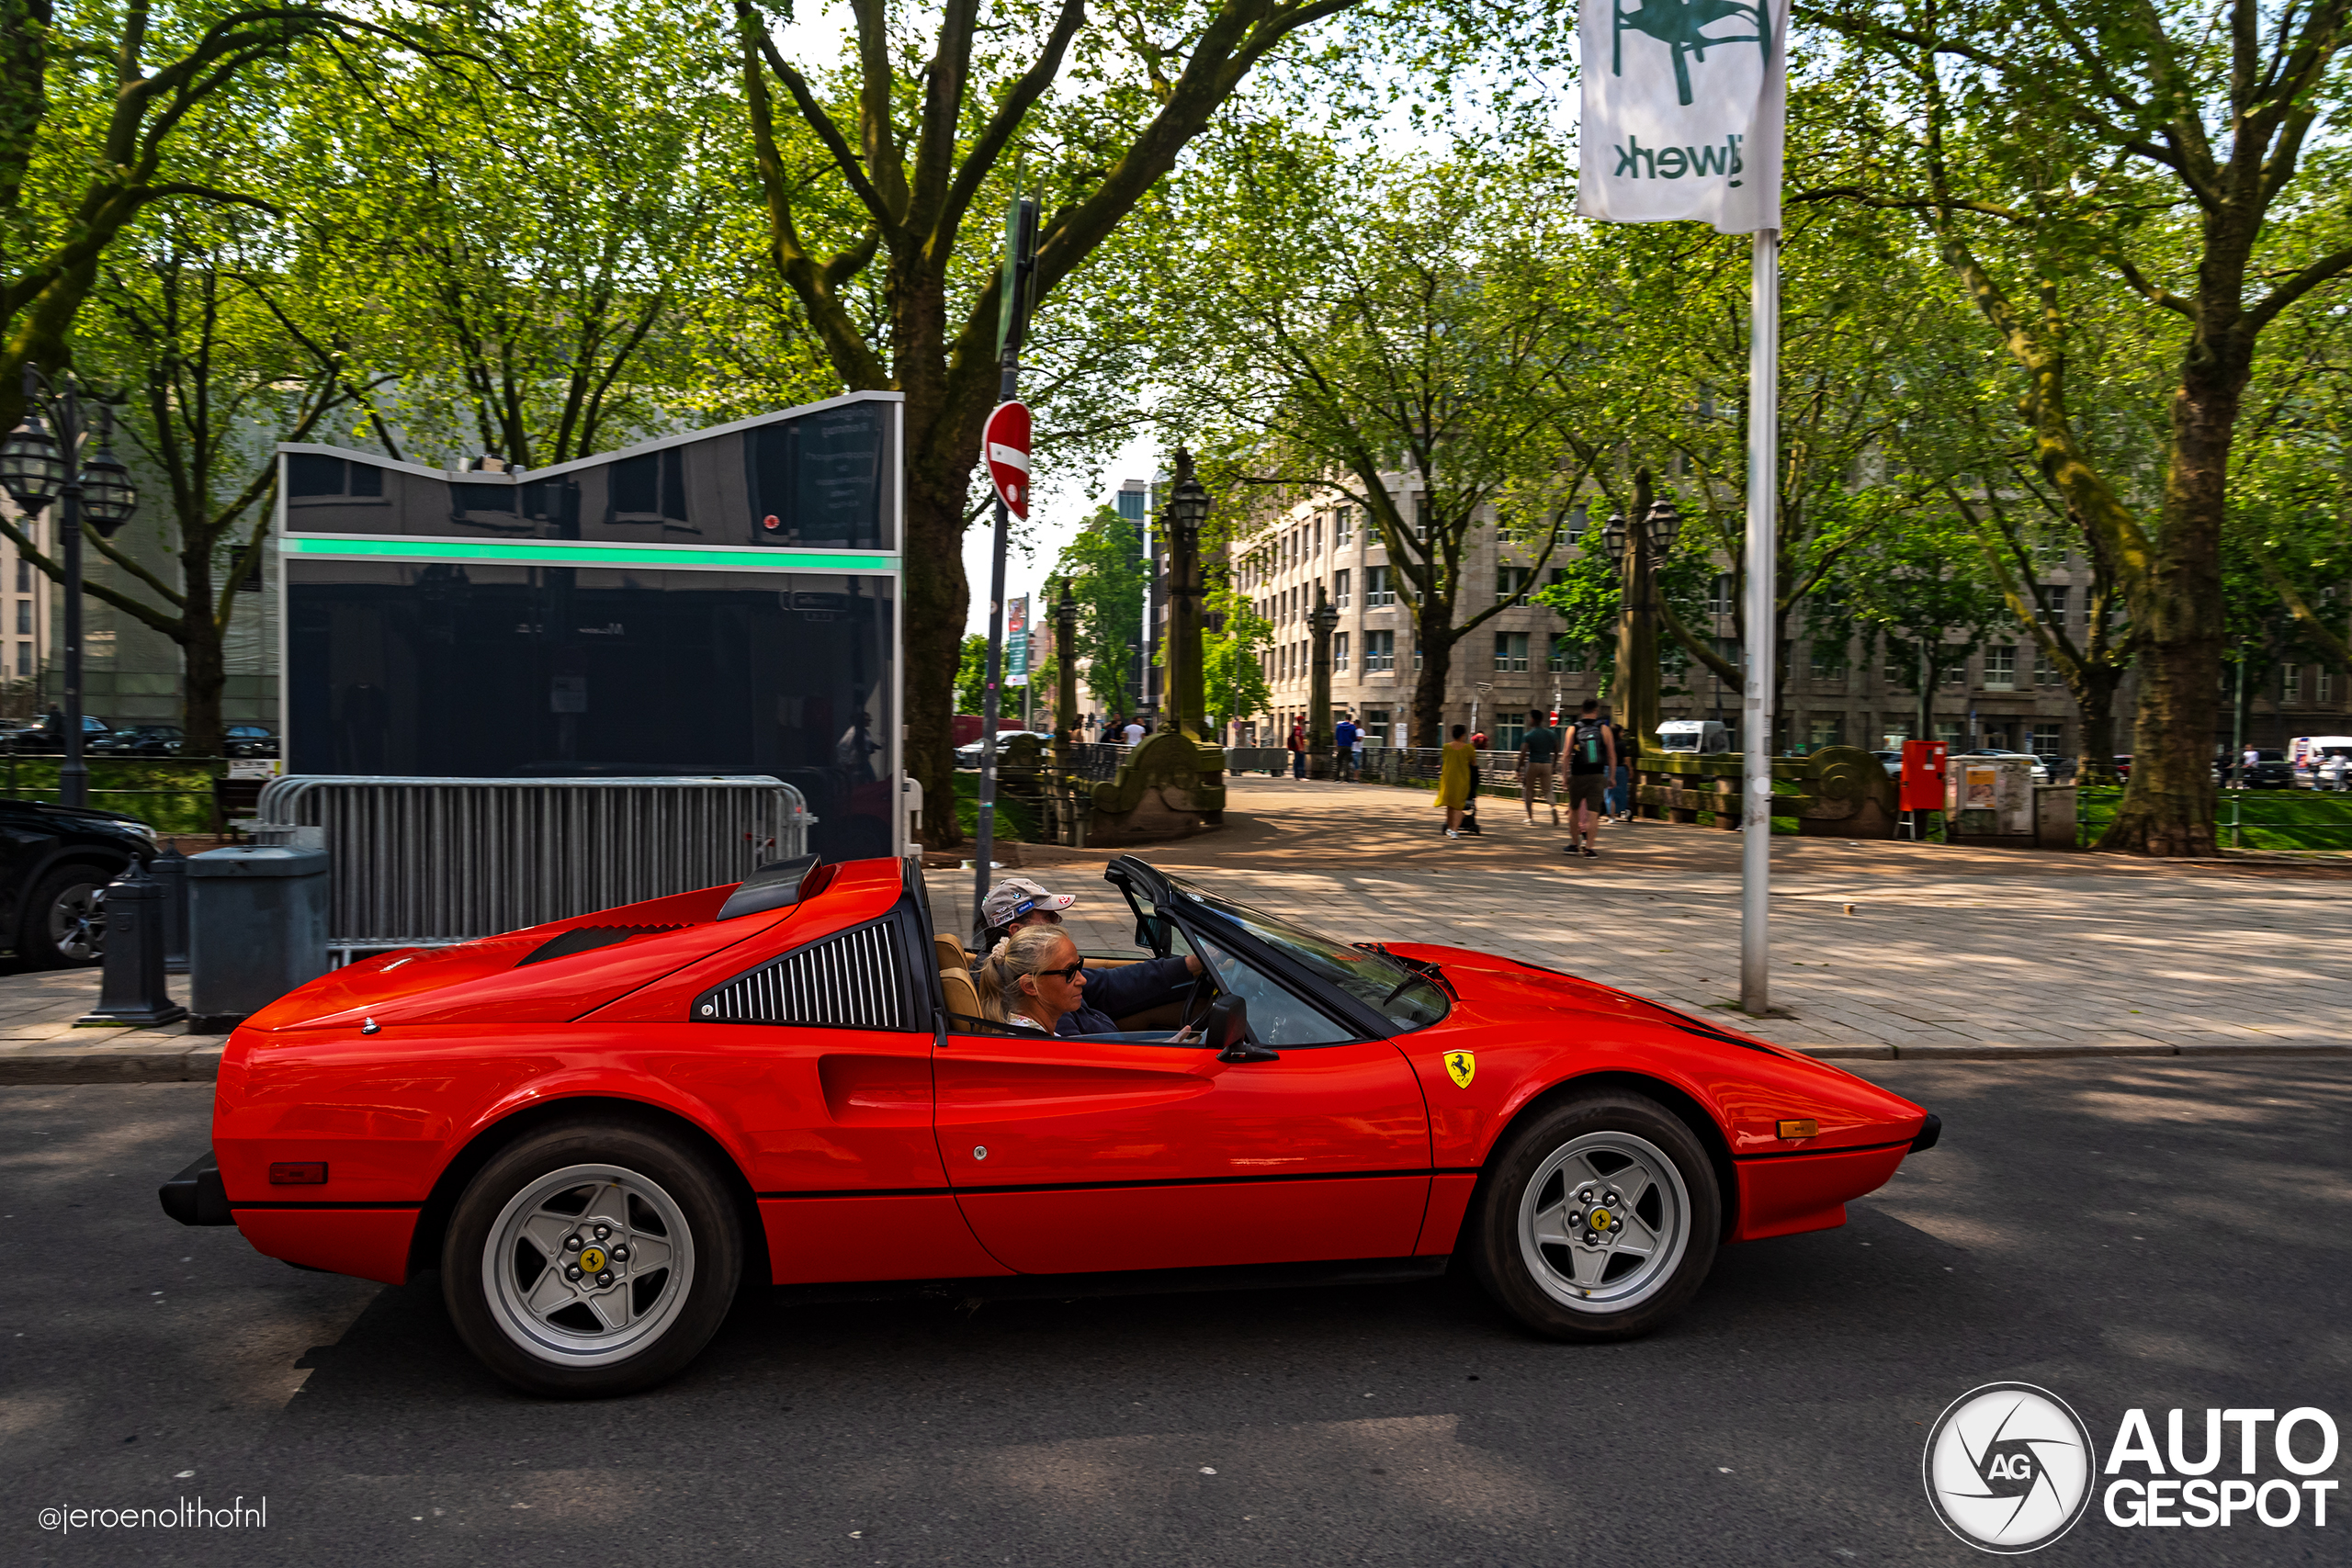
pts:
pixel 2321 761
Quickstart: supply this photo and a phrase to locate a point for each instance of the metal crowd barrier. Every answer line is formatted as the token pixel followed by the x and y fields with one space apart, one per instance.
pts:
pixel 422 862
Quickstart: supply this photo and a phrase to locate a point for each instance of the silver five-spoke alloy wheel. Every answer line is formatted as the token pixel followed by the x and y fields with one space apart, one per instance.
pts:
pixel 588 1265
pixel 1603 1221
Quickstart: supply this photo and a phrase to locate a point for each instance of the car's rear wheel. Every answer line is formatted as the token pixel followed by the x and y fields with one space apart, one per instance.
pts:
pixel 64 920
pixel 1600 1219
pixel 592 1258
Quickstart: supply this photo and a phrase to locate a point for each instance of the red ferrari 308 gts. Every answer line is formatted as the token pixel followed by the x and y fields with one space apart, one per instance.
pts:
pixel 595 1128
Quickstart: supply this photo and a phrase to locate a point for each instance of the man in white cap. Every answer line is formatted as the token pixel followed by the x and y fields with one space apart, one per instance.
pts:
pixel 1015 902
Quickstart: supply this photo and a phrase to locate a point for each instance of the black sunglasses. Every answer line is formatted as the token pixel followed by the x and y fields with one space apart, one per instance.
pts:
pixel 1069 973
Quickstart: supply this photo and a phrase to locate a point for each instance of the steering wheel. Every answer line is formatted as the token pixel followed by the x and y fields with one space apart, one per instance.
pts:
pixel 1203 993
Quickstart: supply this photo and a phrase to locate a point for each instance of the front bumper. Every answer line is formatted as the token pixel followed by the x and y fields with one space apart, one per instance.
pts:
pixel 195 1197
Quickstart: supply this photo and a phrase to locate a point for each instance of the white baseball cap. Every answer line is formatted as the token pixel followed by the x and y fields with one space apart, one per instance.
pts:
pixel 1015 897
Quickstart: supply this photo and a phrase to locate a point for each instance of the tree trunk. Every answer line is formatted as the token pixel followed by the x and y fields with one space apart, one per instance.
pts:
pixel 2168 805
pixel 2094 688
pixel 1436 645
pixel 205 677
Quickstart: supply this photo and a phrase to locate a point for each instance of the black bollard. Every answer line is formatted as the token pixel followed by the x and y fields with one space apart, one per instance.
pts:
pixel 132 994
pixel 170 870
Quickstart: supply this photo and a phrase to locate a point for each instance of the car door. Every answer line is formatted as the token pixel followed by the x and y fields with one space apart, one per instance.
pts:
pixel 1085 1154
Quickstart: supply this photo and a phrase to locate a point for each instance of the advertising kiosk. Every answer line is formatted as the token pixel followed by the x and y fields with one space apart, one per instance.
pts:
pixel 719 602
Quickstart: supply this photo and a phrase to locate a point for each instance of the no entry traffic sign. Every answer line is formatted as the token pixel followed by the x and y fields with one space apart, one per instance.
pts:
pixel 1005 444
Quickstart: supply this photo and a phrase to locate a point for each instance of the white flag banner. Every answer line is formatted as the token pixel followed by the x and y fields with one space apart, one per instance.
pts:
pixel 1684 106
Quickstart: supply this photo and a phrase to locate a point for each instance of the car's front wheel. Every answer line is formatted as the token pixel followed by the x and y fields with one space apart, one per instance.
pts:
pixel 592 1258
pixel 1599 1219
pixel 64 920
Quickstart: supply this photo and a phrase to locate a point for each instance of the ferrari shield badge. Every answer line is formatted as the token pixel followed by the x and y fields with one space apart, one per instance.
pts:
pixel 1461 1066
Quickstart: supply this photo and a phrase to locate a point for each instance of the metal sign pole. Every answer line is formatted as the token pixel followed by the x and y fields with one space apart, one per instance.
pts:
pixel 1020 251
pixel 1762 594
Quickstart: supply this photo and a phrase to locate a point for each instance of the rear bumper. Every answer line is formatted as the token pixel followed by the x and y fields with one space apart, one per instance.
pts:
pixel 195 1197
pixel 1930 1131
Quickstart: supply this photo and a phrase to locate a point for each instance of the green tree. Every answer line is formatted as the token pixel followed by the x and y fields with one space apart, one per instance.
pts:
pixel 1233 670
pixel 1390 336
pixel 1106 571
pixel 882 182
pixel 972 675
pixel 1922 599
pixel 2178 154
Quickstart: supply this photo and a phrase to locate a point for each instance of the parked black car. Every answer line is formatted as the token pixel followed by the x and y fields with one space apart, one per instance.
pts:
pixel 249 741
pixel 37 741
pixel 140 740
pixel 53 861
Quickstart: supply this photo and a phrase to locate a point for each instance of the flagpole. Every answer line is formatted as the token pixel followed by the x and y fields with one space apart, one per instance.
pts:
pixel 1757 611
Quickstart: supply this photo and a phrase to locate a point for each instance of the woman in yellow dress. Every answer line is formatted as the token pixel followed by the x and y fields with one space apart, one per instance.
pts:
pixel 1454 779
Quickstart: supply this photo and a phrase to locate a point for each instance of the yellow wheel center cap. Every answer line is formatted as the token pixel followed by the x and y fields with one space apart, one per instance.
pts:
pixel 1601 1220
pixel 592 1259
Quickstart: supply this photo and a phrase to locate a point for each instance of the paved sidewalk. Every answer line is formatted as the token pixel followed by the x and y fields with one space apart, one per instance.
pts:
pixel 38 1043
pixel 1946 951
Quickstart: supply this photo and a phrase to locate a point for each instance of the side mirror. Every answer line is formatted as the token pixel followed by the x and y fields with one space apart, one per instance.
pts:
pixel 1227 1030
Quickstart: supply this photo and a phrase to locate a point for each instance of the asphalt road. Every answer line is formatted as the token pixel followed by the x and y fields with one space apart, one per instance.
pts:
pixel 2124 1232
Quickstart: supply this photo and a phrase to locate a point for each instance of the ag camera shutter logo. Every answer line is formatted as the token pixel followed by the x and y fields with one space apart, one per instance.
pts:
pixel 2008 1468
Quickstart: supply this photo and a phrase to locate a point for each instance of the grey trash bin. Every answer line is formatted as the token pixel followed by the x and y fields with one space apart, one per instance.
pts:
pixel 257 928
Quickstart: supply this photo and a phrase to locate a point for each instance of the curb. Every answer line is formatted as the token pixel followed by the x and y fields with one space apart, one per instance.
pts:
pixel 2052 1053
pixel 188 1064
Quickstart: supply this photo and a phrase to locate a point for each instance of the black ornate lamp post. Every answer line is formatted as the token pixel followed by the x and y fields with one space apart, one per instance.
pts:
pixel 37 468
pixel 1320 622
pixel 1065 678
pixel 1187 508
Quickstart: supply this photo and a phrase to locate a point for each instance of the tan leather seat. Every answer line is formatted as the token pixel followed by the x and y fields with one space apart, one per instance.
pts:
pixel 963 997
pixel 949 955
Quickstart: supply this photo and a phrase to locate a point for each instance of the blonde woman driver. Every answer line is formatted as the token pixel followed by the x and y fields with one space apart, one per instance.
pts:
pixel 1035 979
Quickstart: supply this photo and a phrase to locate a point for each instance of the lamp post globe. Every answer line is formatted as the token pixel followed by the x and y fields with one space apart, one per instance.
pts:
pixel 32 469
pixel 1612 538
pixel 108 498
pixel 1666 527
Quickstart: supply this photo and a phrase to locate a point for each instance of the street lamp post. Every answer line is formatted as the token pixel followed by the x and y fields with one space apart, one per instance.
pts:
pixel 1187 508
pixel 37 468
pixel 1322 621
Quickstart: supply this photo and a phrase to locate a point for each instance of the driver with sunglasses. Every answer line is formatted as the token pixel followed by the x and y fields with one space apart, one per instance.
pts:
pixel 1082 1001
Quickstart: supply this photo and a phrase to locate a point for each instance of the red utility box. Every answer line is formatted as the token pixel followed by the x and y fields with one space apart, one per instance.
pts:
pixel 1923 774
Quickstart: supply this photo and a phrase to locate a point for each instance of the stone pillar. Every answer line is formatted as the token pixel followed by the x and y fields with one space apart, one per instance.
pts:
pixel 1320 621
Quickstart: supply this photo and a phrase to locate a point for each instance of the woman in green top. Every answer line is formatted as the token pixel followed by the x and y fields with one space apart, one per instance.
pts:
pixel 1454 779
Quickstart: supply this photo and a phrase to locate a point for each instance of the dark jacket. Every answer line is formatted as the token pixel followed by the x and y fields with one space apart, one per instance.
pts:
pixel 1131 987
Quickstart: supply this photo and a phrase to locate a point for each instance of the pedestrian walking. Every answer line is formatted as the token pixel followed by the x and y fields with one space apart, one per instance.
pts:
pixel 1344 736
pixel 1621 777
pixel 1456 778
pixel 1592 762
pixel 1134 732
pixel 1539 754
pixel 1298 748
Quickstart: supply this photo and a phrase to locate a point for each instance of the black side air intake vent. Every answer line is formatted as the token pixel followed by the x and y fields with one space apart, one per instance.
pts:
pixel 855 980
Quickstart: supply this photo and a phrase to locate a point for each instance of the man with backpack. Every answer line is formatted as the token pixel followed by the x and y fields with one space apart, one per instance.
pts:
pixel 1592 766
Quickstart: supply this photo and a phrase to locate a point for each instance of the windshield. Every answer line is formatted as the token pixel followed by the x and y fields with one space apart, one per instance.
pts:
pixel 1401 994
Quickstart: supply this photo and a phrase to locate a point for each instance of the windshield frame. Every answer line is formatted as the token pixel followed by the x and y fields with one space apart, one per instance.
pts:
pixel 1195 909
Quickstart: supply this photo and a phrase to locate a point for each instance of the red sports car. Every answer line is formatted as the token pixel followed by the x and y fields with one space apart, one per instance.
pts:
pixel 594 1128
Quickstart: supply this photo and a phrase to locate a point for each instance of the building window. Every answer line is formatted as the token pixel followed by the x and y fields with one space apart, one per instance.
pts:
pixel 24 618
pixel 1511 653
pixel 24 576
pixel 2046 739
pixel 1719 594
pixel 25 658
pixel 1828 663
pixel 1340 652
pixel 2326 684
pixel 1343 528
pixel 2290 683
pixel 1315 537
pixel 1512 582
pixel 2053 606
pixel 1374 725
pixel 1339 581
pixel 1379 651
pixel 1510 728
pixel 1828 731
pixel 1379 588
pixel 2045 673
pixel 2001 668
pixel 1567 656
pixel 1948 731
pixel 1417 658
pixel 1898 730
